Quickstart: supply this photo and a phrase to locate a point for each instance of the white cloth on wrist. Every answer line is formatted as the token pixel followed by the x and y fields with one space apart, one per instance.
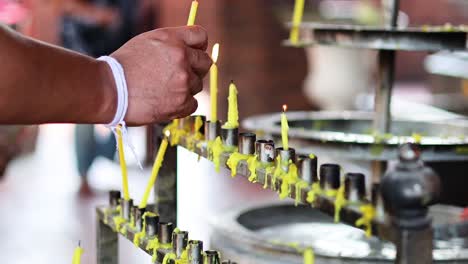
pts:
pixel 122 103
pixel 122 91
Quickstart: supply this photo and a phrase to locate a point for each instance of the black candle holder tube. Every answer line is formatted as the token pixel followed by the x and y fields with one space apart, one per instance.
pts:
pixel 265 150
pixel 330 177
pixel 247 143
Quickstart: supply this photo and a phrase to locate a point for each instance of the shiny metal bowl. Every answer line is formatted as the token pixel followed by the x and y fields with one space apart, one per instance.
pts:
pixel 276 233
pixel 349 135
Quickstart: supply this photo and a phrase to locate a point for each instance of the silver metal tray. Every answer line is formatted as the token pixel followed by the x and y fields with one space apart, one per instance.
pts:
pixel 280 231
pixel 350 135
pixel 410 39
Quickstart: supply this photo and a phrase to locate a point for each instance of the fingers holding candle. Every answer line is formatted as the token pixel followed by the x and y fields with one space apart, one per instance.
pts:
pixel 195 37
pixel 196 84
pixel 200 61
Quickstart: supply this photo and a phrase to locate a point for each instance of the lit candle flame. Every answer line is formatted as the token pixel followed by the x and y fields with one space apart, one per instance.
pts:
pixel 215 53
pixel 285 108
pixel 167 133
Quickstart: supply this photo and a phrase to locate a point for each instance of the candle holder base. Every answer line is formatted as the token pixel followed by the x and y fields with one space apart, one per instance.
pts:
pixel 151 225
pixel 202 128
pixel 285 157
pixel 212 130
pixel 195 250
pixel 230 136
pixel 247 143
pixel 307 167
pixel 114 199
pixel 265 150
pixel 179 242
pixel 186 123
pixel 126 209
pixel 138 217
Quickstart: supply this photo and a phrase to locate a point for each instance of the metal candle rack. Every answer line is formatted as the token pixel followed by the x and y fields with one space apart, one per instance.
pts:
pixel 160 224
pixel 403 220
pixel 387 40
pixel 399 217
pixel 401 214
pixel 170 241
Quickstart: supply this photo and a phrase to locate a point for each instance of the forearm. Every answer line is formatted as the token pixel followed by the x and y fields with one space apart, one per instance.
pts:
pixel 40 83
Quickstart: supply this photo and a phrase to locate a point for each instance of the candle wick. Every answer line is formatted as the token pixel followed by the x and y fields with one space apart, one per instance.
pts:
pixel 79 243
pixel 232 81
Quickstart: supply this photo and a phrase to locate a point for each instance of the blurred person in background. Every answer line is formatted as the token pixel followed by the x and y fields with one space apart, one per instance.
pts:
pixel 96 28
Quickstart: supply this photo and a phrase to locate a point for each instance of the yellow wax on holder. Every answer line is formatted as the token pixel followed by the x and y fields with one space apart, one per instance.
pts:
pixel 155 171
pixel 300 184
pixel 217 149
pixel 269 170
pixel 214 83
pixel 233 112
pixel 290 177
pixel 340 201
pixel 173 127
pixel 252 163
pixel 368 214
pixel 77 254
pixel 197 126
pixel 193 13
pixel 123 164
pixel 234 160
pixel 190 140
pixel 314 191
pixel 296 22
pixel 168 256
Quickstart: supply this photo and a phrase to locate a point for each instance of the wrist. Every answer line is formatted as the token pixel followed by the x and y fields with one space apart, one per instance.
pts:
pixel 108 94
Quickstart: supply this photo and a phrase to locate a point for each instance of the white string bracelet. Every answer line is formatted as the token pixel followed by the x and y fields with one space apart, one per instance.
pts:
pixel 122 103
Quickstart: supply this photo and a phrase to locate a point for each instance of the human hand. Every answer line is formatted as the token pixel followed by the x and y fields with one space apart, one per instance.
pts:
pixel 164 69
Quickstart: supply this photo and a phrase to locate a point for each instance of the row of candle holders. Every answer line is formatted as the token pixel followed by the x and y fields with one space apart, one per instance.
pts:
pixel 329 177
pixel 165 232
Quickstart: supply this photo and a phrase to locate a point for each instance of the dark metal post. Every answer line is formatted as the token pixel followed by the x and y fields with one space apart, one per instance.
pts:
pixel 383 92
pixel 407 192
pixel 391 9
pixel 166 187
pixel 107 244
pixel 414 246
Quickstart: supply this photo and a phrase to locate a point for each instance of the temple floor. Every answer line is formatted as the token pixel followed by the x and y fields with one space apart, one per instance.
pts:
pixel 42 215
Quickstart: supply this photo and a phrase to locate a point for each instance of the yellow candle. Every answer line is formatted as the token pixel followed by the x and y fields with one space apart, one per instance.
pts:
pixel 77 254
pixel 233 112
pixel 297 19
pixel 309 256
pixel 123 164
pixel 214 83
pixel 284 128
pixel 154 173
pixel 193 13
